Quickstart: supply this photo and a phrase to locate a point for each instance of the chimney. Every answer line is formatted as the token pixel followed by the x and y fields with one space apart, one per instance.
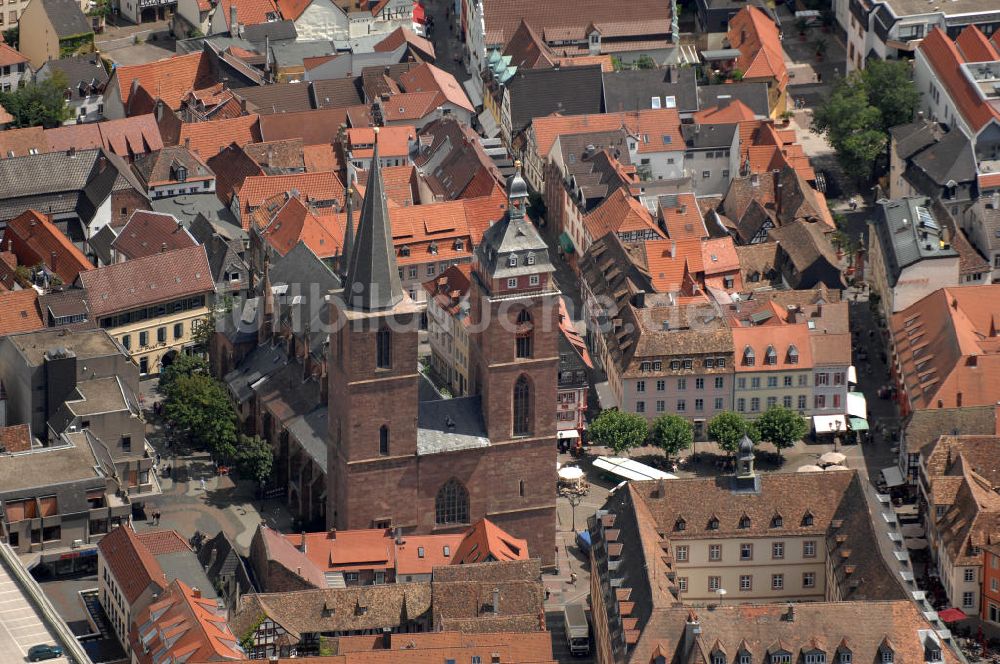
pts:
pixel 196 592
pixel 187 143
pixel 270 156
pixel 234 24
pixel 163 248
pixel 387 638
pixel 995 200
pixel 399 535
pixel 53 259
pixel 302 546
pixel 790 613
pixel 639 300
pixel 496 601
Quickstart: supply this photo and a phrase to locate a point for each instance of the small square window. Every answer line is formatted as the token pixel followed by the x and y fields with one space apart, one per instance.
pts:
pixel 512 283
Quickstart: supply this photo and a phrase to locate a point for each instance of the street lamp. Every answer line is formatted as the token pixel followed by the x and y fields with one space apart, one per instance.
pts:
pixel 836 434
pixel 721 592
pixel 574 500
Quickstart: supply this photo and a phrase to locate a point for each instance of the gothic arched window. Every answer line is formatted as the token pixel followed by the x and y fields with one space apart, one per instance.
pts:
pixel 383 351
pixel 522 407
pixel 451 504
pixel 383 440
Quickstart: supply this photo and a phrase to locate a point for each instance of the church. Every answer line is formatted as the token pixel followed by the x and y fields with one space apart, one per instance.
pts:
pixel 401 456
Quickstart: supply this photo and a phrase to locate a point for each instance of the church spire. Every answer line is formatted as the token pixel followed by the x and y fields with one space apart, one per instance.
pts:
pixel 345 259
pixel 372 280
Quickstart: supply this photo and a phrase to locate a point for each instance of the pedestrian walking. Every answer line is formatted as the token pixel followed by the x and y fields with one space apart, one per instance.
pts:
pixel 203 484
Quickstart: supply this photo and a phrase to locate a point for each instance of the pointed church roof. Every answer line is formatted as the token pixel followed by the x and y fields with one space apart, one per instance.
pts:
pixel 372 281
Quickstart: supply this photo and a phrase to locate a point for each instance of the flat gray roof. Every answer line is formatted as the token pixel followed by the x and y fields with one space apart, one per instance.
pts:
pixel 100 395
pixel 85 343
pixel 903 8
pixel 47 466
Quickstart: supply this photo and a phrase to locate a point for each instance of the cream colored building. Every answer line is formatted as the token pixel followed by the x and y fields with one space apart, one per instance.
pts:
pixel 152 305
pixel 447 318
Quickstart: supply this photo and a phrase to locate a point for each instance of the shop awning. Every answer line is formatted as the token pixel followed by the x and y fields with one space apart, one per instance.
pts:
pixel 472 90
pixel 829 423
pixel 892 476
pixel 489 125
pixel 605 397
pixel 857 405
pixel 857 424
pixel 567 434
pixel 566 242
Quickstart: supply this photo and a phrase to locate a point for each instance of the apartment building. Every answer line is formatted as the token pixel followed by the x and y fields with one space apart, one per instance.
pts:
pixel 447 323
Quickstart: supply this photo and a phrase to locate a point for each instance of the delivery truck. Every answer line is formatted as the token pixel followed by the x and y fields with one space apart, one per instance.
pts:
pixel 577 629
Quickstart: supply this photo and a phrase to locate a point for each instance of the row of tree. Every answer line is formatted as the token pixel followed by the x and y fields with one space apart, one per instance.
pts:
pixel 621 431
pixel 198 408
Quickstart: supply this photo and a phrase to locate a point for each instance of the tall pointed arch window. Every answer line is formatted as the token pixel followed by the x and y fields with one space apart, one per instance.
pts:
pixel 522 407
pixel 524 335
pixel 451 504
pixel 383 350
pixel 383 440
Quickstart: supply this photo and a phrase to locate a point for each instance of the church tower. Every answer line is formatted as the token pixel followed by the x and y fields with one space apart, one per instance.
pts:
pixel 373 376
pixel 515 321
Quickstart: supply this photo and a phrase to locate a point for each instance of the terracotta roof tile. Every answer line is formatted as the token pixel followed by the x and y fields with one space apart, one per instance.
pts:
pixel 294 223
pixel 291 10
pixel 400 183
pixel 428 78
pixel 736 111
pixel 34 239
pixel 147 233
pixel 650 125
pixel 10 56
pixel 682 217
pixel 619 213
pixel 168 79
pixel 946 60
pixel 249 12
pixel 975 46
pixel 207 139
pixel 319 127
pixel 16 438
pixel 323 188
pixel 133 565
pixel 759 42
pixel 487 542
pixel 158 168
pixel 19 311
pixel 232 167
pixel 143 281
pixel 318 158
pixel 635 20
pixel 399 36
pixel 392 141
pixel 160 542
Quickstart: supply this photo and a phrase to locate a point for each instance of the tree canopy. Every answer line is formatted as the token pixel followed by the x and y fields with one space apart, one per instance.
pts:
pixel 728 428
pixel 198 406
pixel 184 364
pixel 38 104
pixel 782 427
pixel 254 458
pixel 857 116
pixel 619 430
pixel 672 433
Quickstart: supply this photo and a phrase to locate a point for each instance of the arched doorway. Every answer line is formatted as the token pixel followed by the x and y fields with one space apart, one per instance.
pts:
pixel 168 358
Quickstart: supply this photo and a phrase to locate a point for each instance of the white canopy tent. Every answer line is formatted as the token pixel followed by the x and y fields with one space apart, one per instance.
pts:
pixel 829 423
pixel 629 469
pixel 892 476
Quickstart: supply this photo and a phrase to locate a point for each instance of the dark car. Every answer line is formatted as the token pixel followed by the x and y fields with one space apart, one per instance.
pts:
pixel 42 652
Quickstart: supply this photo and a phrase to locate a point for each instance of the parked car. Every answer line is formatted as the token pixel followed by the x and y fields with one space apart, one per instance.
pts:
pixel 44 651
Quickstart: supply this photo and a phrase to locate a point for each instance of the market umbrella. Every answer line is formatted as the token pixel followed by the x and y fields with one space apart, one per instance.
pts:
pixel 951 615
pixel 912 530
pixel 810 468
pixel 837 467
pixel 916 543
pixel 832 458
pixel 570 473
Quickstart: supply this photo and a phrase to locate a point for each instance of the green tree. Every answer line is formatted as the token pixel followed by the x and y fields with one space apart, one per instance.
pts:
pixel 254 458
pixel 619 430
pixel 727 429
pixel 199 407
pixel 672 434
pixel 38 104
pixel 11 37
pixel 782 427
pixel 891 91
pixel 183 365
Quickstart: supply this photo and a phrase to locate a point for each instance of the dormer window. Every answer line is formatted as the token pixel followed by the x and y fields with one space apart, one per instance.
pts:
pixel 777 521
pixel 680 524
pixel 718 658
pixel 531 259
pixel 459 244
pixel 793 355
pixel 771 357
pixel 781 658
pixel 433 248
pixel 808 519
pixel 748 357
pixel 815 658
pixel 745 658
pixel 713 523
pixel 512 261
pixel 744 521
pixel 404 250
pixel 932 653
pixel 845 657
pixel 887 656
pixel 180 172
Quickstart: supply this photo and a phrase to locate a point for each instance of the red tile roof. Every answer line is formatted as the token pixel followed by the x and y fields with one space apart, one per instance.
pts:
pixel 147 233
pixel 294 223
pixel 133 565
pixel 399 182
pixel 168 79
pixel 619 213
pixel 947 346
pixel 208 139
pixel 291 10
pixel 181 626
pixel 975 47
pixel 733 112
pixel 158 278
pixel 392 141
pixel 249 12
pixel 683 220
pixel 325 187
pixel 34 239
pixel 160 542
pixel 485 542
pixel 946 60
pixel 19 311
pixel 428 78
pixel 781 337
pixel 125 137
pixel 10 56
pixel 399 36
pixel 16 438
pixel 651 124
pixel 758 40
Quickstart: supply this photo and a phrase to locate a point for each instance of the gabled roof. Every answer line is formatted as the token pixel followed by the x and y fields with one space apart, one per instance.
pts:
pixel 134 566
pixel 401 36
pixel 125 137
pixel 157 278
pixel 66 18
pixel 619 213
pixel 19 312
pixel 294 222
pixel 35 239
pixel 428 78
pixel 249 12
pixel 759 42
pixel 539 92
pixel 168 79
pixel 11 57
pixel 207 139
pixel 486 542
pixel 946 60
pixel 147 233
pixel 160 167
pixel 527 49
pixel 312 187
pixel 736 111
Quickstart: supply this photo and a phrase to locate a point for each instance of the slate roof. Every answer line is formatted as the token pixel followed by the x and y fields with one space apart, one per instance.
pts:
pixel 633 90
pixel 915 136
pixel 900 229
pixel 157 278
pixel 447 425
pixel 539 92
pixel 158 168
pixel 951 159
pixel 147 233
pixel 81 69
pixel 66 18
pixel 805 243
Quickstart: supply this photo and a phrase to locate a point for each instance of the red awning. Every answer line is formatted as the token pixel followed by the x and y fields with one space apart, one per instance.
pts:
pixel 951 615
pixel 418 13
